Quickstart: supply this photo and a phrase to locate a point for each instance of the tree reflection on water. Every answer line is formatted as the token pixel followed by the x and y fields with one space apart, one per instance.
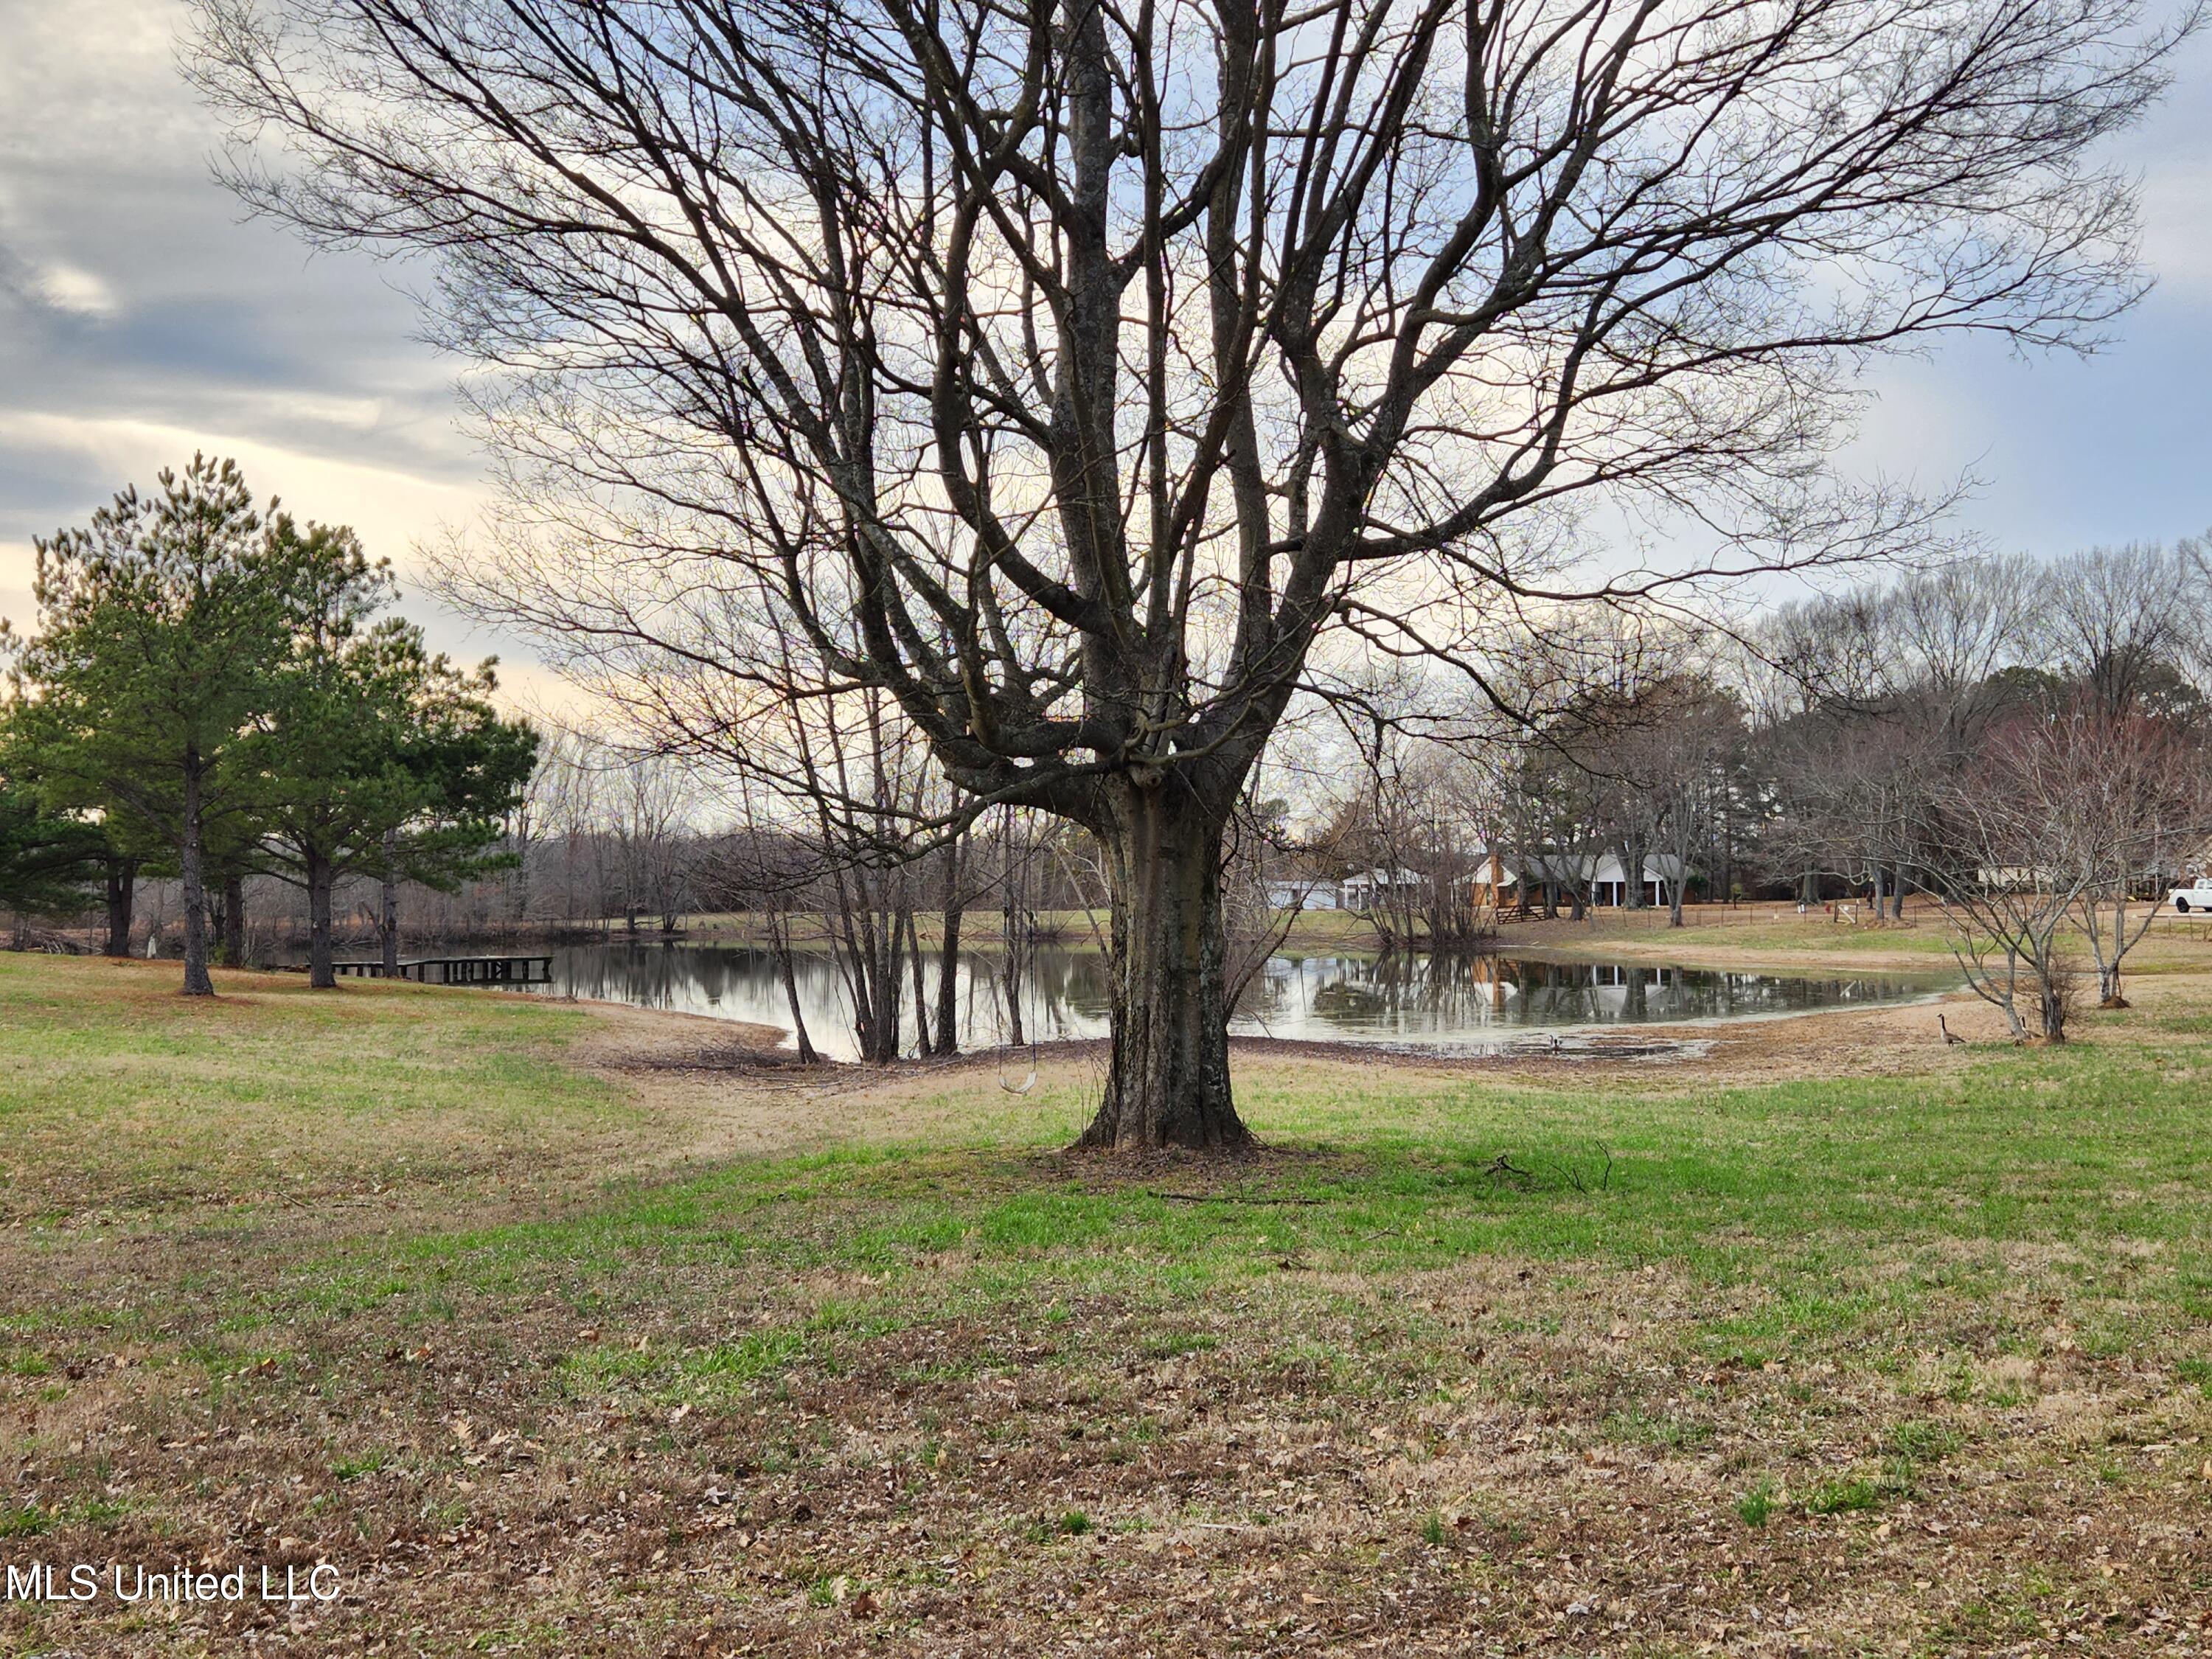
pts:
pixel 1398 999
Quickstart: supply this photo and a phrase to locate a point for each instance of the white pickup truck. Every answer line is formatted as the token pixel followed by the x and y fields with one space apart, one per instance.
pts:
pixel 2195 897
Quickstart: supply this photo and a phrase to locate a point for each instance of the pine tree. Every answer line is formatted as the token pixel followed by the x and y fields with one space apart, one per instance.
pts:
pixel 379 755
pixel 139 697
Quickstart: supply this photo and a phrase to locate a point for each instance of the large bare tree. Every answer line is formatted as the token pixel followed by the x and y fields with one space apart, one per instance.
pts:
pixel 1063 369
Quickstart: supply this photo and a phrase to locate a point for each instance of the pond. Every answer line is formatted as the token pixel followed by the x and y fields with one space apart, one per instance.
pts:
pixel 1471 1002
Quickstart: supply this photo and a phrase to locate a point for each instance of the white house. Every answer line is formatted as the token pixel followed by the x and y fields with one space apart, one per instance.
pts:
pixel 1609 881
pixel 1364 889
pixel 1302 896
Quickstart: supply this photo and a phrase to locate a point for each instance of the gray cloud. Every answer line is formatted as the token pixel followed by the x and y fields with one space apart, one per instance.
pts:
pixel 141 318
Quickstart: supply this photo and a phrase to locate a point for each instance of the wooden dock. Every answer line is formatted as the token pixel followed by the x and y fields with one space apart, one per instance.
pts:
pixel 458 970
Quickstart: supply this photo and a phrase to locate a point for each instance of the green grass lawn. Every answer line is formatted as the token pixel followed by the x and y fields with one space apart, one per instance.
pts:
pixel 118 1095
pixel 1635 1363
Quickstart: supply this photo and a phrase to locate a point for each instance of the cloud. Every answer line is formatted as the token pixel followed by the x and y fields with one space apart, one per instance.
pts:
pixel 67 289
pixel 141 318
pixel 57 468
pixel 2176 244
pixel 140 291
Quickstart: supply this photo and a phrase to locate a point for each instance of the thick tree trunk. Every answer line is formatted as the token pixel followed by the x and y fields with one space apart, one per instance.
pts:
pixel 925 1042
pixel 233 919
pixel 948 960
pixel 2053 1003
pixel 197 981
pixel 1167 1081
pixel 387 916
pixel 122 895
pixel 321 975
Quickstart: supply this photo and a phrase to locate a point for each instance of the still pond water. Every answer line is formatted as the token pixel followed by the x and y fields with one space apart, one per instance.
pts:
pixel 1447 1001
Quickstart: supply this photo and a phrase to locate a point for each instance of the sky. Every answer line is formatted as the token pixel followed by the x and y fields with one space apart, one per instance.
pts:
pixel 142 318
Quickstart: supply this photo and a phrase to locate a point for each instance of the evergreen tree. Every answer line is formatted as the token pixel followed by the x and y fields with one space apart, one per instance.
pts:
pixel 474 766
pixel 139 697
pixel 49 862
pixel 379 755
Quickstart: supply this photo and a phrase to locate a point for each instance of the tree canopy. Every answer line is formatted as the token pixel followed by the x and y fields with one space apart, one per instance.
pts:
pixel 159 625
pixel 375 754
pixel 210 687
pixel 1070 372
pixel 49 862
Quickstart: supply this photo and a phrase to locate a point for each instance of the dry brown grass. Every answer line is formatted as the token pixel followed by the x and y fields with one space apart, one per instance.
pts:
pixel 703 1356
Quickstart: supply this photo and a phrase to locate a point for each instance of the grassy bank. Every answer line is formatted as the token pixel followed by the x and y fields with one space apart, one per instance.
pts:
pixel 1470 1360
pixel 1070 930
pixel 1748 934
pixel 122 1097
pixel 1776 932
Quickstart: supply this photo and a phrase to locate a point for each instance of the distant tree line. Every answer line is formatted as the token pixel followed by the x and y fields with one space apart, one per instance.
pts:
pixel 2022 742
